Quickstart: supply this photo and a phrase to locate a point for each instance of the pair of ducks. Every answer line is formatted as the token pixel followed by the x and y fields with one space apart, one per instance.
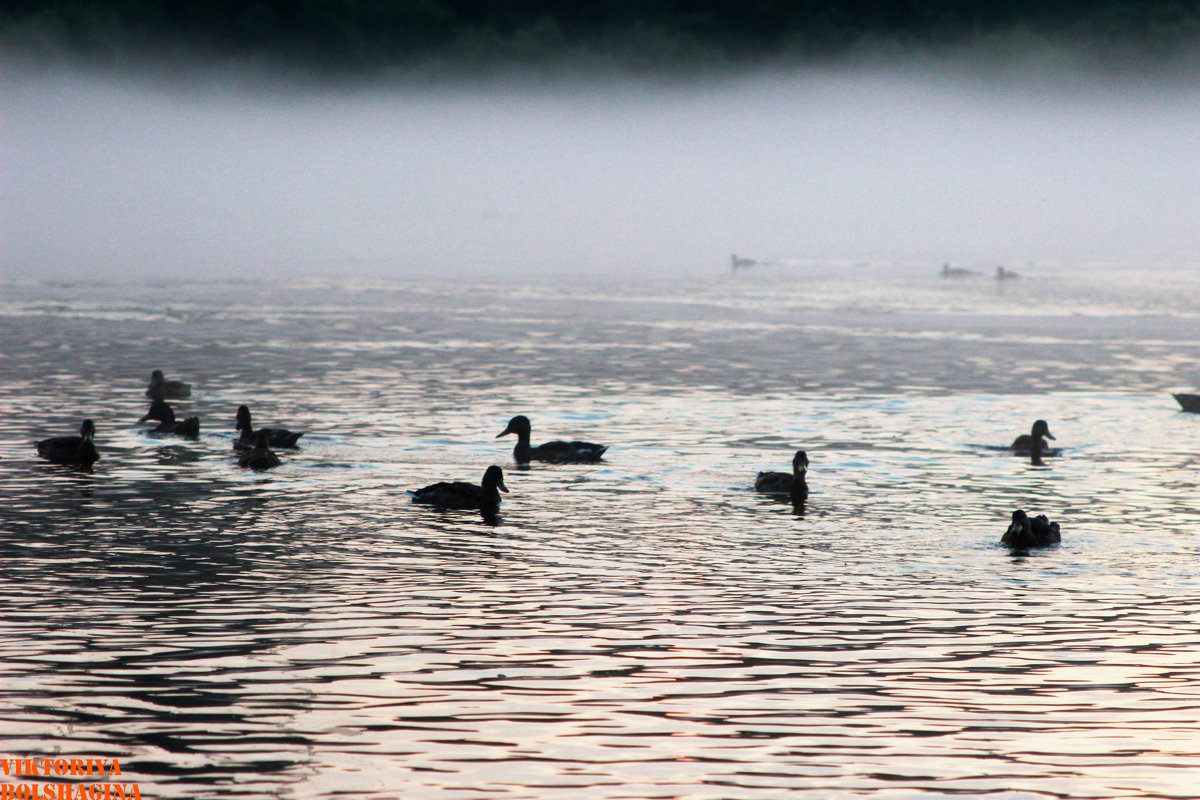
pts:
pixel 1033 443
pixel 1025 532
pixel 486 496
pixel 160 388
pixel 255 446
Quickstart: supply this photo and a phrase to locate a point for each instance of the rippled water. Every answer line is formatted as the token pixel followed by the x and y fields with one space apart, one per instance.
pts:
pixel 646 627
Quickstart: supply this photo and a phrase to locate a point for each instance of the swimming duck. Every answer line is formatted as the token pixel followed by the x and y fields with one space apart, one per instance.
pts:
pixel 460 494
pixel 1188 402
pixel 74 450
pixel 161 388
pixel 554 452
pixel 260 457
pixel 1003 274
pixel 1024 532
pixel 792 483
pixel 159 410
pixel 956 272
pixel 741 263
pixel 276 437
pixel 1025 441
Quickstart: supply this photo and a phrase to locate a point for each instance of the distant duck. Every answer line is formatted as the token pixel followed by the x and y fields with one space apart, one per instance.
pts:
pixel 1003 274
pixel 1188 402
pixel 276 437
pixel 77 451
pixel 1024 443
pixel 555 452
pixel 162 388
pixel 1024 532
pixel 792 483
pixel 956 272
pixel 741 263
pixel 165 415
pixel 260 457
pixel 460 494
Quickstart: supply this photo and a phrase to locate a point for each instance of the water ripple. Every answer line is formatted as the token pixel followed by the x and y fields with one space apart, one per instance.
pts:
pixel 643 627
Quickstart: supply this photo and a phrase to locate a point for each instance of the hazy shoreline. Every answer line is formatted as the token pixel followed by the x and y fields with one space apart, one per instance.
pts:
pixel 461 39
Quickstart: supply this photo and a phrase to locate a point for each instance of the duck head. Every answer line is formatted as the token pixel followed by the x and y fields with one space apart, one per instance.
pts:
pixel 1040 428
pixel 518 425
pixel 87 430
pixel 1020 530
pixel 243 418
pixel 800 462
pixel 159 410
pixel 494 477
pixel 260 440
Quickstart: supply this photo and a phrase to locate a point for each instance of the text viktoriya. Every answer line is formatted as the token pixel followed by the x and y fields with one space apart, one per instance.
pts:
pixel 60 766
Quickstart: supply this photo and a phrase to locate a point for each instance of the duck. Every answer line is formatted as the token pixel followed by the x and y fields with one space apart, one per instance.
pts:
pixel 1024 532
pixel 161 388
pixel 1188 402
pixel 1003 274
pixel 792 483
pixel 1024 442
pixel 276 437
pixel 165 415
pixel 555 452
pixel 260 457
pixel 460 494
pixel 741 263
pixel 956 272
pixel 77 451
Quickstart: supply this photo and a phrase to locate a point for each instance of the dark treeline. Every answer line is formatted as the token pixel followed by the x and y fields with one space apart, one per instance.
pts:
pixel 373 33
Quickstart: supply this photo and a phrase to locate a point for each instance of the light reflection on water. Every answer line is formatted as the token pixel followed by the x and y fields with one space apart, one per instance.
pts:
pixel 644 627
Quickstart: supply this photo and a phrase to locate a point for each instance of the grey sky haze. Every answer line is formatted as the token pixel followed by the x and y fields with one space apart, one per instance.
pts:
pixel 108 176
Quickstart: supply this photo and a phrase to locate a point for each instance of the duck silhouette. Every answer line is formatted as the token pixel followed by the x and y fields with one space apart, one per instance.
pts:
pixel 1024 442
pixel 276 437
pixel 790 483
pixel 162 388
pixel 1188 402
pixel 1024 533
pixel 259 457
pixel 78 451
pixel 460 494
pixel 556 452
pixel 165 415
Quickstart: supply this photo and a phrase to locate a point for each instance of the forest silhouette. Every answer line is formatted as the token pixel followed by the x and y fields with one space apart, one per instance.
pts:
pixel 368 34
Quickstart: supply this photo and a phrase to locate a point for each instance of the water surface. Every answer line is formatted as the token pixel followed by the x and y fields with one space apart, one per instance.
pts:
pixel 646 627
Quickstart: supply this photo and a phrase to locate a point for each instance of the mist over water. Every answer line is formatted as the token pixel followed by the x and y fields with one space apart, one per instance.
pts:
pixel 396 270
pixel 110 176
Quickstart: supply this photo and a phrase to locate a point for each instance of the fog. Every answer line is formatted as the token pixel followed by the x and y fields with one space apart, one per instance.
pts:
pixel 117 176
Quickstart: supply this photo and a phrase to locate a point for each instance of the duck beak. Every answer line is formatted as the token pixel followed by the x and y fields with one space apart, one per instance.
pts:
pixel 500 485
pixel 505 432
pixel 145 418
pixel 1049 435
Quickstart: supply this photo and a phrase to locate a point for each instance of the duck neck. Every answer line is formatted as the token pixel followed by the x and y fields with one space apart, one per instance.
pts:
pixel 520 452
